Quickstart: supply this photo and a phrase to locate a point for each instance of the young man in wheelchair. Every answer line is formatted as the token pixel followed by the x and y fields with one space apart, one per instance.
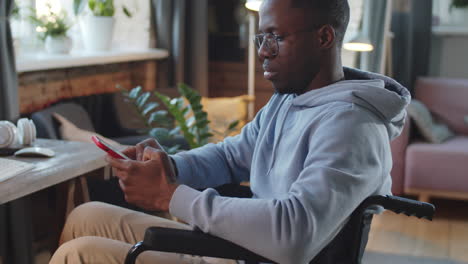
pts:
pixel 312 155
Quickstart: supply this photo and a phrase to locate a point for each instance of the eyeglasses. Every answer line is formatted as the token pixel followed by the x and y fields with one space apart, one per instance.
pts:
pixel 270 40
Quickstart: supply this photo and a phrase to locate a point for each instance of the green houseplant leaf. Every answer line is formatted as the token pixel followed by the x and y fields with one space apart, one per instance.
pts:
pixel 459 4
pixel 98 7
pixel 78 6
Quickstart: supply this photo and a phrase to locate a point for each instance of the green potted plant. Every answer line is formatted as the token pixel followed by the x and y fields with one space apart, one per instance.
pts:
pixel 97 25
pixel 52 28
pixel 183 116
pixel 459 12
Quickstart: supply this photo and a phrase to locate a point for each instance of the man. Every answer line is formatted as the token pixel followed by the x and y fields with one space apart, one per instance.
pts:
pixel 312 154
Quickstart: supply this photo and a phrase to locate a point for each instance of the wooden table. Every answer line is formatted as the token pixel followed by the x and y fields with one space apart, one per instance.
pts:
pixel 71 160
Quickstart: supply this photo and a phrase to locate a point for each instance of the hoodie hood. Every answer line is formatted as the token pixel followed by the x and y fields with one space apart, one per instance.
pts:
pixel 379 94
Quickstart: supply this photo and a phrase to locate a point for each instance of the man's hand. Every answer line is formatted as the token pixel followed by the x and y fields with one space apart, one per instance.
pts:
pixel 136 152
pixel 148 181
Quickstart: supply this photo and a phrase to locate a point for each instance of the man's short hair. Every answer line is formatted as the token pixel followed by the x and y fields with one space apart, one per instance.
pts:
pixel 332 12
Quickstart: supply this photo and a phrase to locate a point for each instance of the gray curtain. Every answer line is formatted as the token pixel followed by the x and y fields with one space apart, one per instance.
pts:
pixel 411 24
pixel 9 105
pixel 181 27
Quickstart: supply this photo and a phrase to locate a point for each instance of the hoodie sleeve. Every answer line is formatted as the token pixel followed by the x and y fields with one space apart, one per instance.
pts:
pixel 339 172
pixel 217 162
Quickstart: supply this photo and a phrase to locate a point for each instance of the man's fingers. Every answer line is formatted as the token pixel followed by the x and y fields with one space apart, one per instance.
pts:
pixel 158 146
pixel 120 164
pixel 130 152
pixel 140 147
pixel 153 154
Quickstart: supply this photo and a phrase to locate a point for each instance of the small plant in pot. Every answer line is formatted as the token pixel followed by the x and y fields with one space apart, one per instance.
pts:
pixel 98 24
pixel 52 28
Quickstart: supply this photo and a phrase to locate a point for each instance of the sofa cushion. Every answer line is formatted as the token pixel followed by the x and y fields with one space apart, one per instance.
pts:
pixel 69 131
pixel 446 99
pixel 442 167
pixel 432 131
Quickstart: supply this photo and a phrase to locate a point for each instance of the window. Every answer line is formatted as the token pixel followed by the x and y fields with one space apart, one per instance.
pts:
pixel 129 33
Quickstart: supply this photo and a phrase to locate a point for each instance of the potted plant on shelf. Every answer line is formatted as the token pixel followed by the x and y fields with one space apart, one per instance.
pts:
pixel 98 24
pixel 459 11
pixel 52 28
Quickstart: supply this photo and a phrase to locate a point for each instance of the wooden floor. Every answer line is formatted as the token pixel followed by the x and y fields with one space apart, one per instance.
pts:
pixel 445 237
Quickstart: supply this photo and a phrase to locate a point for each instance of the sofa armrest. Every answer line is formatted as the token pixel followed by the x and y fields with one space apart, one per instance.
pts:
pixel 398 146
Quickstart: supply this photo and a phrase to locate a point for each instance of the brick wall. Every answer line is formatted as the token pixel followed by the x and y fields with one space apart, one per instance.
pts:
pixel 39 89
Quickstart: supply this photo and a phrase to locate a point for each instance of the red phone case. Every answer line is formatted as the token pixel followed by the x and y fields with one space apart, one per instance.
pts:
pixel 102 145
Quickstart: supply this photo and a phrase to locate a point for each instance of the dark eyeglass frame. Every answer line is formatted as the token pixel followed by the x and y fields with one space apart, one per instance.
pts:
pixel 259 39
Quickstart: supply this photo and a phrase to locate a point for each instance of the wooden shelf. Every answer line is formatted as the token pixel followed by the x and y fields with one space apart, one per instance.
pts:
pixel 37 62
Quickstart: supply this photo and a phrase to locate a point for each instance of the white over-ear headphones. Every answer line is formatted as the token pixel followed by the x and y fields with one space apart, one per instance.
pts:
pixel 12 136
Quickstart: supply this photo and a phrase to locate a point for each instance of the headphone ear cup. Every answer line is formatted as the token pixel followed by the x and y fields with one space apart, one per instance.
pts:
pixel 8 134
pixel 33 131
pixel 24 131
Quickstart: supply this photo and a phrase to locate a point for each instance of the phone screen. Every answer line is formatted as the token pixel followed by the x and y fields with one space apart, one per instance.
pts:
pixel 108 148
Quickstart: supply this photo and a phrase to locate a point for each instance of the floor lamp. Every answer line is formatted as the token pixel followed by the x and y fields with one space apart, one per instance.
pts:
pixel 253 6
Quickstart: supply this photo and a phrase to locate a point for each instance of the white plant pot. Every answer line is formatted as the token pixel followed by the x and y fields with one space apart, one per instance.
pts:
pixel 97 32
pixel 58 45
pixel 459 16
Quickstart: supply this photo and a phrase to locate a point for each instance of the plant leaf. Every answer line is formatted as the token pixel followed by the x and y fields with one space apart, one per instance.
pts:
pixel 175 131
pixel 158 117
pixel 149 107
pixel 190 122
pixel 206 135
pixel 134 92
pixel 233 125
pixel 173 149
pixel 78 6
pixel 141 101
pixel 159 133
pixel 202 123
pixel 127 12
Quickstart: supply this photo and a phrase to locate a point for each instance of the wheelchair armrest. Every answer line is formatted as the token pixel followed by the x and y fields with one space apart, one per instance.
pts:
pixel 196 243
pixel 401 205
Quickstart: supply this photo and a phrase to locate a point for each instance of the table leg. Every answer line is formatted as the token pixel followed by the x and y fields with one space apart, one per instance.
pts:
pixel 20 236
pixel 3 234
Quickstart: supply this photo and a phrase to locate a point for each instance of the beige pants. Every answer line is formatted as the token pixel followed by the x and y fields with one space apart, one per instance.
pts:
pixel 101 233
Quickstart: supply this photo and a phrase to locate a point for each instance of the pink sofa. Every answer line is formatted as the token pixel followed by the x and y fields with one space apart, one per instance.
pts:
pixel 435 170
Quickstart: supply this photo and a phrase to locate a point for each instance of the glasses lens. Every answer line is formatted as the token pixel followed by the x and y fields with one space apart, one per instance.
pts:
pixel 259 40
pixel 270 43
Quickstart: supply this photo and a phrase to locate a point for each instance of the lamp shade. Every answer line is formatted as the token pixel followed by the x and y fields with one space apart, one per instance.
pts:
pixel 359 43
pixel 253 5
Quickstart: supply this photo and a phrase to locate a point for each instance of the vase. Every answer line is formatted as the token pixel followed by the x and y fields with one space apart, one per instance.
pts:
pixel 58 45
pixel 97 32
pixel 459 16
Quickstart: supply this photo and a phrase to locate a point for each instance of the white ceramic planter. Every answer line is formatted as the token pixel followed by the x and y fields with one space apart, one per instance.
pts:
pixel 459 16
pixel 58 45
pixel 97 32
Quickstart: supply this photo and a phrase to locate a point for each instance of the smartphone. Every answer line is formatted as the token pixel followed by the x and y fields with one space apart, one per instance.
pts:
pixel 108 148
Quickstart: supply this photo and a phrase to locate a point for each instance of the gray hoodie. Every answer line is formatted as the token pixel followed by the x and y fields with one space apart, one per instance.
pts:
pixel 310 159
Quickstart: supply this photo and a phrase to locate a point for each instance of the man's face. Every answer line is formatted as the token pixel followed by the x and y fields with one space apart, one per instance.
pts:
pixel 296 63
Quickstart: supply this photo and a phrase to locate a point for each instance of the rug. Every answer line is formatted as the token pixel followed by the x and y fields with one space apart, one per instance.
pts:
pixel 372 257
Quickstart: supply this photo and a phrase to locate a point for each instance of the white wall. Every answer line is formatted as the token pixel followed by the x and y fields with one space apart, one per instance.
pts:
pixel 449 57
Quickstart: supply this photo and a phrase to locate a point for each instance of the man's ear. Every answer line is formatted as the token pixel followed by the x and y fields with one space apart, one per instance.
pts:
pixel 327 36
